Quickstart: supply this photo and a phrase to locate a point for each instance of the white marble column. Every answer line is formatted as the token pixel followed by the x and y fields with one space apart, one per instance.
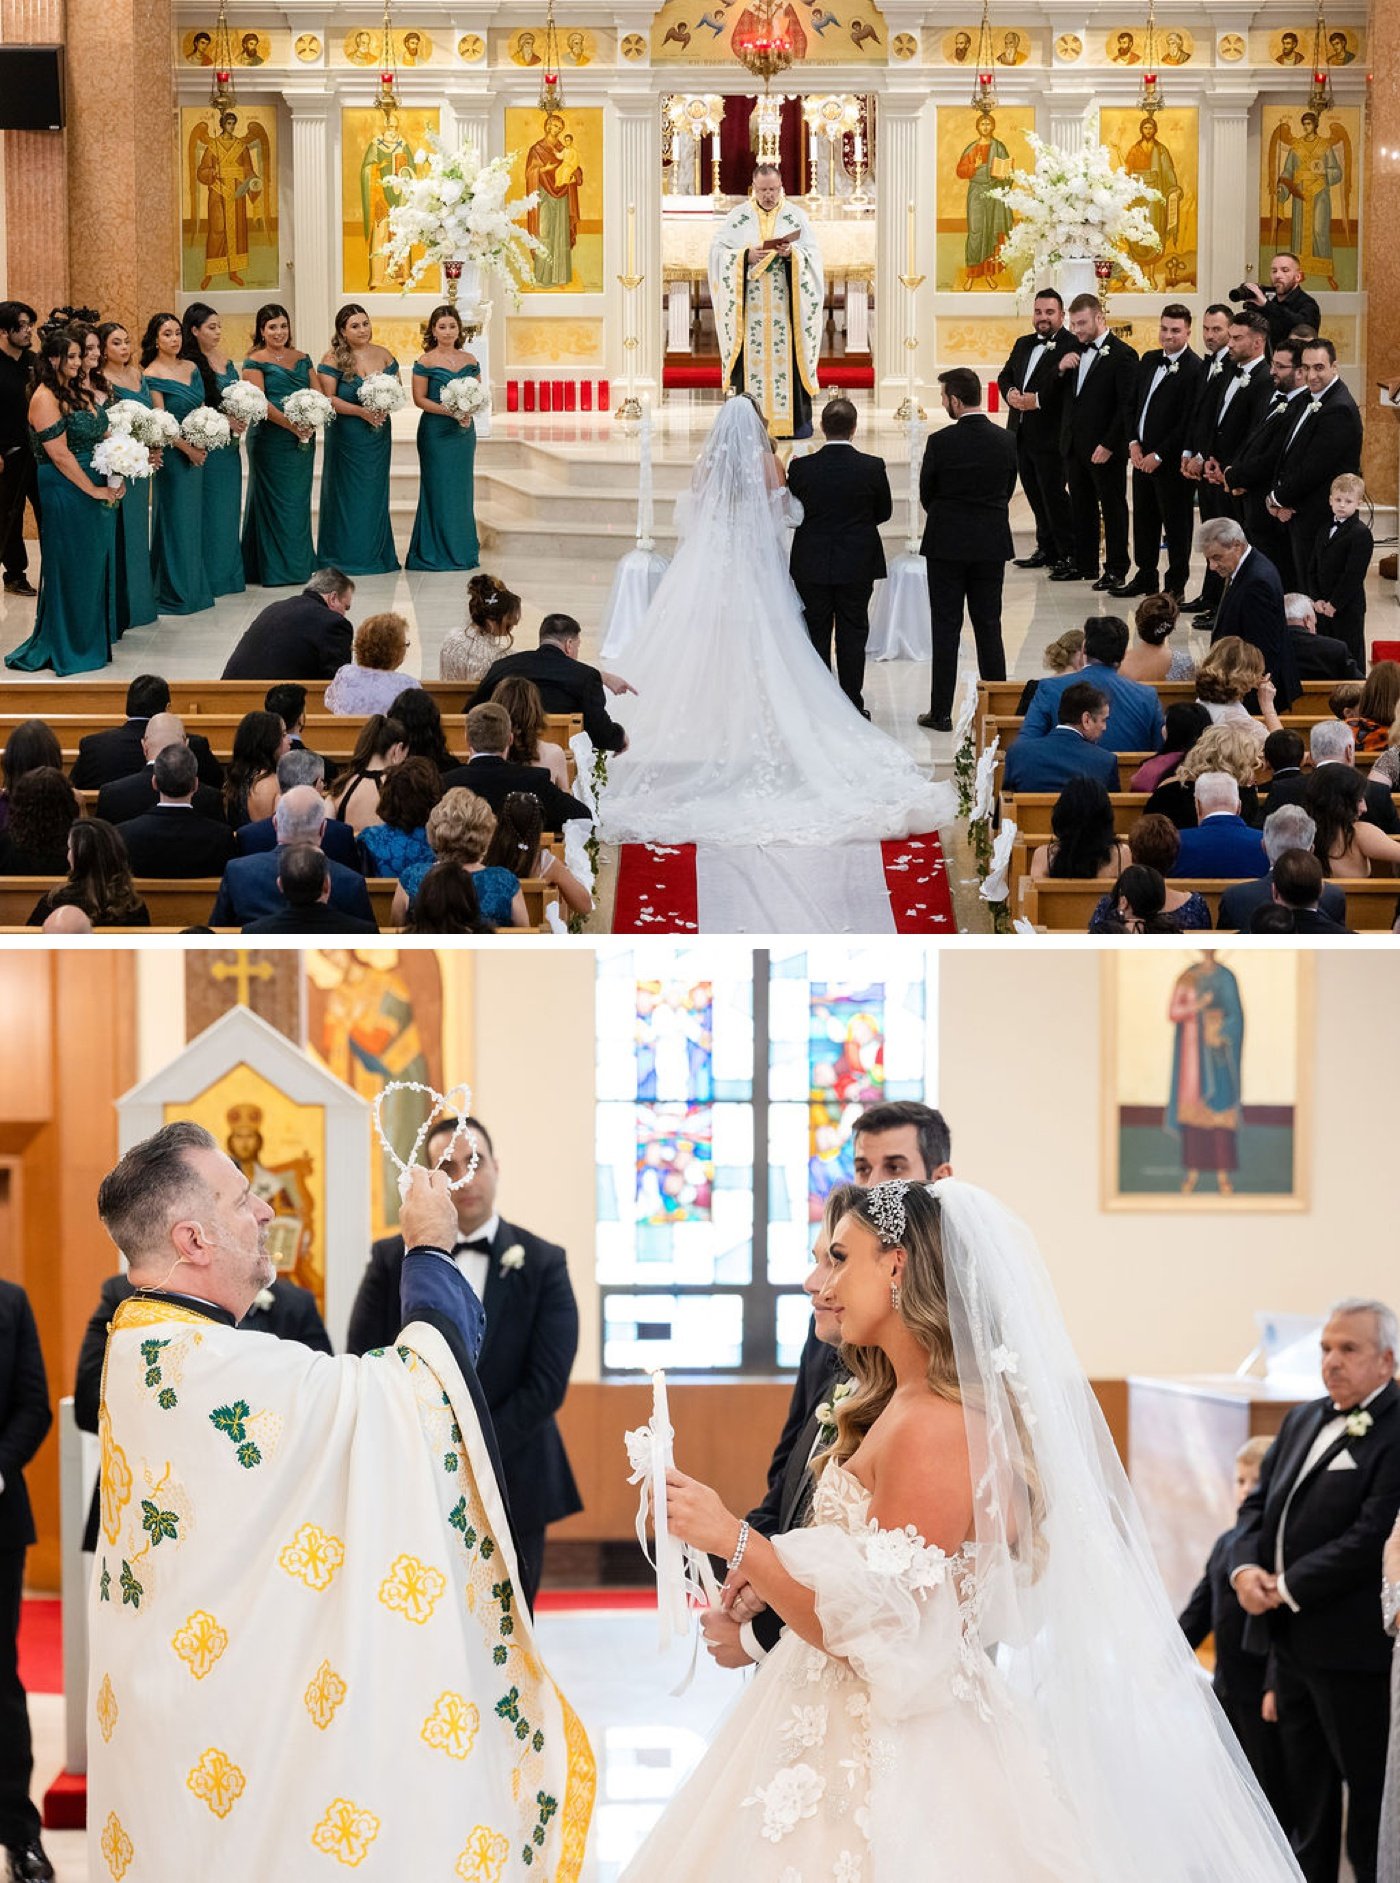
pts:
pixel 315 218
pixel 1228 247
pixel 678 317
pixel 636 170
pixel 467 120
pixel 1069 119
pixel 904 179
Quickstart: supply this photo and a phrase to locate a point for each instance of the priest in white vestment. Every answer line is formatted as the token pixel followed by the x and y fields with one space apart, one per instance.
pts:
pixel 768 294
pixel 309 1649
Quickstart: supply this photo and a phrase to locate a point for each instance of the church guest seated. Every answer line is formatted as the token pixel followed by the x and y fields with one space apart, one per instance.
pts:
pixel 493 615
pixel 1231 671
pixel 29 748
pixel 304 637
pixel 1347 842
pixel 43 809
pixel 1065 654
pixel 287 698
pixel 1230 749
pixel 1073 748
pixel 566 684
pixel 396 844
pixel 1155 843
pixel 172 839
pixel 1186 721
pixel 97 880
pixel 1149 658
pixel 372 681
pixel 1084 843
pixel 516 847
pixel 67 919
pixel 1377 707
pixel 1283 754
pixel 299 767
pixel 250 784
pixel 1136 905
pixel 1331 742
pixel 446 904
pixel 1336 574
pixel 121 799
pixel 1297 887
pixel 493 776
pixel 521 700
pixel 421 718
pixel 1318 656
pixel 304 879
pixel 1136 712
pixel 1222 844
pixel 382 744
pixel 1287 828
pixel 117 751
pixel 461 831
pixel 249 887
pixel 1342 701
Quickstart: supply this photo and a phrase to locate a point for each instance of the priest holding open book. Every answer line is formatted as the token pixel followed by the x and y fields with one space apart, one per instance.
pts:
pixel 768 291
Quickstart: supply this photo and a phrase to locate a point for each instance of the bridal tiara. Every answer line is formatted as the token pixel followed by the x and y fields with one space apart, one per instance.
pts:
pixel 885 1207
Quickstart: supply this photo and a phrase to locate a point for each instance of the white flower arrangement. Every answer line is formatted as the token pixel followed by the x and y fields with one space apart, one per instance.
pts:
pixel 1074 205
pixel 514 1257
pixel 120 458
pixel 206 428
pixel 151 426
pixel 826 1411
pixel 1359 1423
pixel 308 409
pixel 464 398
pixel 245 402
pixel 455 209
pixel 382 392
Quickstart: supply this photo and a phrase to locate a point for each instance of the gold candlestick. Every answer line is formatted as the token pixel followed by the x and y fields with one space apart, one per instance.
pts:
pixel 630 410
pixel 909 406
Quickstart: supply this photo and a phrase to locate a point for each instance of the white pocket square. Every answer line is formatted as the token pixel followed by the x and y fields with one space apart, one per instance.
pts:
pixel 1343 1462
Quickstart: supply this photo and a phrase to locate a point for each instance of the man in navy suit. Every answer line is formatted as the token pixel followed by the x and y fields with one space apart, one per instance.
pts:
pixel 1307 1571
pixel 249 887
pixel 1287 828
pixel 1071 750
pixel 301 767
pixel 24 1419
pixel 1135 723
pixel 837 555
pixel 531 1337
pixel 1251 605
pixel 1222 844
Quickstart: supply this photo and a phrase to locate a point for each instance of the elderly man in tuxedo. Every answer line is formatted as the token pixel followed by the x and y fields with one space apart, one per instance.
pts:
pixel 1251 604
pixel 1033 390
pixel 24 1419
pixel 837 555
pixel 1325 443
pixel 1307 1570
pixel 901 1140
pixel 531 1337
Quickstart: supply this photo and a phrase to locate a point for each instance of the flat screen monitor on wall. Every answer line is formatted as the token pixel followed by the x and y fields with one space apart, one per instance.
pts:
pixel 31 88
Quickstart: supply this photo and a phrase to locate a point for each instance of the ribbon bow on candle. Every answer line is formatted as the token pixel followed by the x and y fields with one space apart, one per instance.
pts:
pixel 456 1101
pixel 683 1573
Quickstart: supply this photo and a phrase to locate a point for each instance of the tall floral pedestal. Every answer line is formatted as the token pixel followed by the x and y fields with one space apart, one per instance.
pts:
pixel 1076 276
pixel 463 281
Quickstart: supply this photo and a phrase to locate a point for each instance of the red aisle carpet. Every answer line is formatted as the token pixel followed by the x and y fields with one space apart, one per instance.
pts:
pixel 704 376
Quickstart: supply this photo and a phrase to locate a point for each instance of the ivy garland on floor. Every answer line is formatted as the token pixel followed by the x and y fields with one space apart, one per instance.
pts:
pixel 979 829
pixel 593 845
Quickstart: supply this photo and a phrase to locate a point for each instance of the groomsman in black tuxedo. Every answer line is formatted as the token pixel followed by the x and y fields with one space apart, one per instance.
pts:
pixel 1250 474
pixel 1307 1571
pixel 528 1351
pixel 1168 383
pixel 1219 370
pixel 1033 390
pixel 1324 444
pixel 1100 372
pixel 965 486
pixel 1243 402
pixel 837 555
pixel 24 1419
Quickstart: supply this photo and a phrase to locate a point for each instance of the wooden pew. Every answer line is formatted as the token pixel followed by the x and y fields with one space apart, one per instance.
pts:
pixel 1063 907
pixel 197 697
pixel 998 699
pixel 331 734
pixel 186 902
pixel 1008 729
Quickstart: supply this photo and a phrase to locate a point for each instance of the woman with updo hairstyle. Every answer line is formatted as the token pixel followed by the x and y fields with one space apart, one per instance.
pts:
pixel 371 681
pixel 1232 669
pixel 177 521
pixel 31 747
pixel 1225 748
pixel 520 698
pixel 1065 654
pixel 493 614
pixel 382 744
pixel 136 595
pixel 516 846
pixel 459 832
pixel 1148 657
pixel 277 547
pixel 355 532
pixel 444 526
pixel 75 621
pixel 203 329
pixel 98 880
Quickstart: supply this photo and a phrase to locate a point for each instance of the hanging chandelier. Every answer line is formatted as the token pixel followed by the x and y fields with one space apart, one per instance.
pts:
pixel 551 84
pixel 222 96
pixel 387 97
pixel 1320 90
pixel 1149 90
pixel 984 90
pixel 762 40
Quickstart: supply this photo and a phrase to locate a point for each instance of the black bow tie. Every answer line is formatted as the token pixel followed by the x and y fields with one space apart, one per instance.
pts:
pixel 479 1245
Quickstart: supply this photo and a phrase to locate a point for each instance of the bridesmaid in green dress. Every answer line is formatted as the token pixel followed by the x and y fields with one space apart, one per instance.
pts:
pixel 444 529
pixel 223 470
pixel 177 527
pixel 136 595
pixel 356 536
pixel 277 547
pixel 75 622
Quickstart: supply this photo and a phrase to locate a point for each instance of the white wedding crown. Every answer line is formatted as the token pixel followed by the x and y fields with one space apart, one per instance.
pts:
pixel 457 1100
pixel 885 1207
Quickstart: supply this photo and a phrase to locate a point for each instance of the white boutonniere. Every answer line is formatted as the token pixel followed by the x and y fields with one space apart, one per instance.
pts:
pixel 826 1411
pixel 514 1257
pixel 1359 1423
pixel 263 1299
pixel 1172 367
pixel 1315 405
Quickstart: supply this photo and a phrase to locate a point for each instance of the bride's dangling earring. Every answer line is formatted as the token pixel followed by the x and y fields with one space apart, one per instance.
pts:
pixel 895 1296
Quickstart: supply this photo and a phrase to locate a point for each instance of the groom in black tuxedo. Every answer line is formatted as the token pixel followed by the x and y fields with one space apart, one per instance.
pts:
pixel 1307 1572
pixel 837 555
pixel 528 1350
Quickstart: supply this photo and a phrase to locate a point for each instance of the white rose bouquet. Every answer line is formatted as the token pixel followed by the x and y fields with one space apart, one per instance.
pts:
pixel 245 402
pixel 382 392
pixel 151 426
pixel 464 398
pixel 121 459
pixel 1074 204
pixel 308 409
pixel 455 209
pixel 206 428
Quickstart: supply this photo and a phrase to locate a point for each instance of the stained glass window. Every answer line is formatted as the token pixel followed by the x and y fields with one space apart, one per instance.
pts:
pixel 714 1064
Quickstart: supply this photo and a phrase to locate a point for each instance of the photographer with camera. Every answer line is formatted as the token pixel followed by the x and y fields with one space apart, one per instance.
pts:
pixel 1285 305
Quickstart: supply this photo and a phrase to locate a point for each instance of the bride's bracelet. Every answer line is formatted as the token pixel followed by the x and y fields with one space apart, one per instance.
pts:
pixel 1390 1604
pixel 740 1546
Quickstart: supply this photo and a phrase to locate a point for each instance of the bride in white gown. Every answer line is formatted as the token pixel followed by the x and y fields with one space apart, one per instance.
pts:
pixel 981 1679
pixel 739 734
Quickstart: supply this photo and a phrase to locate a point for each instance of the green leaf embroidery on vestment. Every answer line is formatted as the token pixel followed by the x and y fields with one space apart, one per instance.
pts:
pixel 527 1855
pixel 449 1462
pixel 538 1742
pixel 508 1707
pixel 488 1549
pixel 538 1835
pixel 159 1524
pixel 405 1354
pixel 166 1399
pixel 150 1350
pixel 548 1806
pixel 458 1519
pixel 248 1455
pixel 507 1625
pixel 455 1434
pixel 231 1419
pixel 522 1730
pixel 153 1376
pixel 131 1588
pixel 500 1655
pixel 105 1586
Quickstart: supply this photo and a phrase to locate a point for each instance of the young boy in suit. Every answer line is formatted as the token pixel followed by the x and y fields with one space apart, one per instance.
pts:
pixel 1336 573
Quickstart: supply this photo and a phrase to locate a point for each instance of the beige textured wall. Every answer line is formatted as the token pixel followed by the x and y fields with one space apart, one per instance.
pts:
pixel 1381 262
pixel 36 181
